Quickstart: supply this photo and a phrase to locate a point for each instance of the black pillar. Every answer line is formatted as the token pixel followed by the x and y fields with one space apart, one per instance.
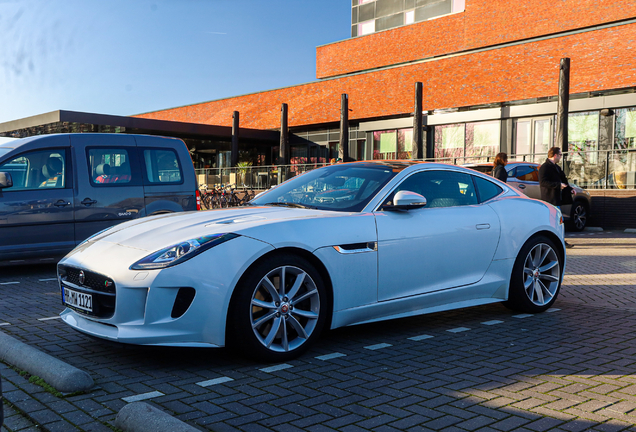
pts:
pixel 417 149
pixel 235 138
pixel 563 105
pixel 343 148
pixel 283 152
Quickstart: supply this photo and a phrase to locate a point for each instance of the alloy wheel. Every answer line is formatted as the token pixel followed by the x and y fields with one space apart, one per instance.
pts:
pixel 541 274
pixel 285 309
pixel 579 217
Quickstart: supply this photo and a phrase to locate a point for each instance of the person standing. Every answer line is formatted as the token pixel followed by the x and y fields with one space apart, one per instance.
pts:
pixel 552 180
pixel 499 167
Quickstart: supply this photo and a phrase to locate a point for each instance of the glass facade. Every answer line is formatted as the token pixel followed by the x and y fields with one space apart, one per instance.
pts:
pixel 470 142
pixel 533 137
pixel 392 144
pixel 370 16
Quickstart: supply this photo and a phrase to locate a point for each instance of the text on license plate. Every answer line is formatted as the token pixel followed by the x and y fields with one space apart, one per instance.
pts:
pixel 78 300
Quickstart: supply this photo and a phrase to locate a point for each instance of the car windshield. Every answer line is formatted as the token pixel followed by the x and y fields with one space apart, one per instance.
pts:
pixel 341 187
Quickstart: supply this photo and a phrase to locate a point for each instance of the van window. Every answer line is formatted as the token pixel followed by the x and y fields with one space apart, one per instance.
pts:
pixel 162 166
pixel 109 166
pixel 37 170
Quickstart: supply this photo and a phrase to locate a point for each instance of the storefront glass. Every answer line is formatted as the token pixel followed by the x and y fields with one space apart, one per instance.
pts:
pixel 392 144
pixel 583 137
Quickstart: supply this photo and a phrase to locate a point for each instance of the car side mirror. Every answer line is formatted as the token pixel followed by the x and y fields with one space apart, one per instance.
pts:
pixel 5 180
pixel 406 200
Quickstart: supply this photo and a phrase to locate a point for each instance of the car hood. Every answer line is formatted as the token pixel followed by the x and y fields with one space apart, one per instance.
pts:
pixel 156 232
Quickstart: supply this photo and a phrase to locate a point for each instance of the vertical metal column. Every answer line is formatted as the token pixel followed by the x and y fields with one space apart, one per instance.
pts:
pixel 283 151
pixel 235 138
pixel 562 110
pixel 417 146
pixel 343 147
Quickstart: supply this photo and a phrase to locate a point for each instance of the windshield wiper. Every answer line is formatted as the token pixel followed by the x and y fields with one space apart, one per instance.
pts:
pixel 290 204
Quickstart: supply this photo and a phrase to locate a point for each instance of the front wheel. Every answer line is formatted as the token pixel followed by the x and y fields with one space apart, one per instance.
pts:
pixel 536 276
pixel 278 310
pixel 578 216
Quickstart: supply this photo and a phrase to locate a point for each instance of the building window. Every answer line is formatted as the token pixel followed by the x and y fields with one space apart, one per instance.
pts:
pixel 625 135
pixel 365 28
pixel 409 17
pixel 583 137
pixel 392 144
pixel 472 142
pixel 533 139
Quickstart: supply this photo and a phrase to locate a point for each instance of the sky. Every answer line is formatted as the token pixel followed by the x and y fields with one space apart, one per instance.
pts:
pixel 126 57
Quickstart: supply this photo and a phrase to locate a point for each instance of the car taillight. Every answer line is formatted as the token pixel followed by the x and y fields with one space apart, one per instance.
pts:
pixel 198 194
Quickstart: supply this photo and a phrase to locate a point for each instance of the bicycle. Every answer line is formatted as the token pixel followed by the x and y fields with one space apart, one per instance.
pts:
pixel 206 197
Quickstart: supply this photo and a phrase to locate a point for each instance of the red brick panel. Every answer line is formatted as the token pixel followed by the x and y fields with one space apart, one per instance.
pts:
pixel 483 23
pixel 600 60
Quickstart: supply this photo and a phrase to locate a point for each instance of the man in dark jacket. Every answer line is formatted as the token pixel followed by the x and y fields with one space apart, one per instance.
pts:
pixel 552 179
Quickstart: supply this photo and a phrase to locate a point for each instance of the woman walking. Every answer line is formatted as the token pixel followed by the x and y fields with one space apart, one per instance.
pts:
pixel 499 167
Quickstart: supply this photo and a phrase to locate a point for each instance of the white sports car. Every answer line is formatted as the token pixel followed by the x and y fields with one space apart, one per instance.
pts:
pixel 340 245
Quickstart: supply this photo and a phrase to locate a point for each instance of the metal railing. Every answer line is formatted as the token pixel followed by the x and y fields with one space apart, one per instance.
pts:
pixel 598 169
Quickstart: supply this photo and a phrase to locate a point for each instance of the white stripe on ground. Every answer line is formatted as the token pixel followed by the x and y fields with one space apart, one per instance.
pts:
pixel 331 356
pixel 5 324
pixel 215 381
pixel 9 283
pixel 46 280
pixel 420 337
pixel 142 396
pixel 49 318
pixel 377 346
pixel 522 316
pixel 276 368
pixel 553 310
pixel 493 322
pixel 458 330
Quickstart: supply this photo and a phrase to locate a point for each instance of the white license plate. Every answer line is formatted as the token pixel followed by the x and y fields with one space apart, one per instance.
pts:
pixel 78 300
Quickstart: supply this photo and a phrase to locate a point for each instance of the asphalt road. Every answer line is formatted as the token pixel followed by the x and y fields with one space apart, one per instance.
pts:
pixel 485 368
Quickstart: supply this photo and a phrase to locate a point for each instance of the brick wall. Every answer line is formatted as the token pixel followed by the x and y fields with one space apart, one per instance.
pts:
pixel 483 23
pixel 613 208
pixel 600 60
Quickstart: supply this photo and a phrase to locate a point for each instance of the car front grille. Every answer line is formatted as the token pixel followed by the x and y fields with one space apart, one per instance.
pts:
pixel 101 288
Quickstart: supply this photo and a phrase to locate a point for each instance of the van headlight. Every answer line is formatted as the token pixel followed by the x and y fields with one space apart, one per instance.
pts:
pixel 180 252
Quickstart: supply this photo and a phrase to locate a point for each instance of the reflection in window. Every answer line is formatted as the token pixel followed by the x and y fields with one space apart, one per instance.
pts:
pixel 625 129
pixel 449 141
pixel 366 28
pixel 583 137
pixel 474 142
pixel 622 164
pixel 482 139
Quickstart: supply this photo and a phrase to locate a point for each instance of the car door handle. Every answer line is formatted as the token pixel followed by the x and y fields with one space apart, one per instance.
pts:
pixel 61 203
pixel 522 186
pixel 88 201
pixel 482 226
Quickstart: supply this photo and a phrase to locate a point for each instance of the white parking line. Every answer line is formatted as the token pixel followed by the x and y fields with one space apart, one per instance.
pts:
pixel 553 310
pixel 458 330
pixel 142 396
pixel 377 346
pixel 46 280
pixel 215 381
pixel 520 316
pixel 9 283
pixel 493 322
pixel 420 337
pixel 331 356
pixel 276 368
pixel 49 318
pixel 5 324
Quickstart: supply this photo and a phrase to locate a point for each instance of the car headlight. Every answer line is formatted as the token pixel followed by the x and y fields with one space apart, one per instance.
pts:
pixel 180 252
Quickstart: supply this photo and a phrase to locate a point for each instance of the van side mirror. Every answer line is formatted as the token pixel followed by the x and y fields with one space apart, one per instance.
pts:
pixel 5 180
pixel 406 200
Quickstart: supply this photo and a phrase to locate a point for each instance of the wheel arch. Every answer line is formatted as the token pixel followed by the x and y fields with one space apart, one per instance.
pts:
pixel 310 257
pixel 552 236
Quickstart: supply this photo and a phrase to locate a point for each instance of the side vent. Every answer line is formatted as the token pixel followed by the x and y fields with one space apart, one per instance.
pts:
pixel 182 302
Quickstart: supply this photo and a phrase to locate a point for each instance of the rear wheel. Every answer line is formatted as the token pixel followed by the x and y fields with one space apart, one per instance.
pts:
pixel 278 309
pixel 578 216
pixel 536 276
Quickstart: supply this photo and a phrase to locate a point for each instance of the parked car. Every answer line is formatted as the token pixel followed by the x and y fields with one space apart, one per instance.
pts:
pixel 524 176
pixel 57 190
pixel 414 238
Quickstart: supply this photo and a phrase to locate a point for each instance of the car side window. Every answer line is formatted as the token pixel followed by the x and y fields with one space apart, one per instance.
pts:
pixel 486 189
pixel 441 188
pixel 37 170
pixel 109 166
pixel 527 173
pixel 162 166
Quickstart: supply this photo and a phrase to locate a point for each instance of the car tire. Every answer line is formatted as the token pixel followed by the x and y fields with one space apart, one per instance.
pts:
pixel 578 216
pixel 273 323
pixel 536 276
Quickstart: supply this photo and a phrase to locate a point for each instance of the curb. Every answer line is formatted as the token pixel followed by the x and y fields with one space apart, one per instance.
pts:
pixel 593 229
pixel 62 376
pixel 143 417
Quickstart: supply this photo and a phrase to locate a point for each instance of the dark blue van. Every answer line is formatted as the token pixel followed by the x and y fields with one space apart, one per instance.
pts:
pixel 57 190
